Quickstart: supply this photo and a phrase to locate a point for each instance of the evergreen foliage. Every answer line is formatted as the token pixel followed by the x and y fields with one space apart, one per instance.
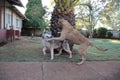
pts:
pixel 101 32
pixel 109 34
pixel 34 14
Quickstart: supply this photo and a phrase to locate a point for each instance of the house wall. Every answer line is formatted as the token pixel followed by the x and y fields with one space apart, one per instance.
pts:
pixel 17 22
pixel 0 17
pixel 11 19
pixel 1 5
pixel 2 30
pixel 115 33
pixel 29 31
pixel 8 17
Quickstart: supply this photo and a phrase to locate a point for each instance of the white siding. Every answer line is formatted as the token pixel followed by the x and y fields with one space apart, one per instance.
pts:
pixel 17 22
pixel 8 17
pixel 10 23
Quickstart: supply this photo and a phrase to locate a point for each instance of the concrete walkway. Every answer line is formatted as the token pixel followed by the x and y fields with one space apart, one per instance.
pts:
pixel 104 70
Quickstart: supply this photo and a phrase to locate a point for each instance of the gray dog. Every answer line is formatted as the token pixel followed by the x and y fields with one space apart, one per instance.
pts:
pixel 54 44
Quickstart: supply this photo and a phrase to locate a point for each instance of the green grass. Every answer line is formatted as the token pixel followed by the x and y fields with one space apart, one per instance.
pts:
pixel 27 50
pixel 113 52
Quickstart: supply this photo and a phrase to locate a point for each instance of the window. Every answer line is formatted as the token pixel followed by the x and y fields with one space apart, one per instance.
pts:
pixel 8 18
pixel 17 23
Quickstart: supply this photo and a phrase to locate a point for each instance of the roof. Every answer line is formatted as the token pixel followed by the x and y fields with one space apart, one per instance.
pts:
pixel 18 12
pixel 16 2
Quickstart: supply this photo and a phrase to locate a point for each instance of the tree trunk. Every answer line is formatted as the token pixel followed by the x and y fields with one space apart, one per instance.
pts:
pixel 54 22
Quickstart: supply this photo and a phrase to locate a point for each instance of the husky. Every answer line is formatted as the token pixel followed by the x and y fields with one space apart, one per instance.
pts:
pixel 54 44
pixel 71 34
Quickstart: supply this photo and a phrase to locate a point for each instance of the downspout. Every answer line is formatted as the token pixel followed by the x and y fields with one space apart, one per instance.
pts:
pixel 12 23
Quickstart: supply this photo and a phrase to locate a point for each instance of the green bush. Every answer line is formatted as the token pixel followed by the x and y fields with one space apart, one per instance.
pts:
pixel 101 32
pixel 94 33
pixel 109 34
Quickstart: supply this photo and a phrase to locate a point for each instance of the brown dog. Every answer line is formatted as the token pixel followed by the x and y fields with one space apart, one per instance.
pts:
pixel 68 32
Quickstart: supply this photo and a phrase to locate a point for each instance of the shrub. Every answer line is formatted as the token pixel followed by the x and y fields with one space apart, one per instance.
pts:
pixel 101 32
pixel 94 33
pixel 109 34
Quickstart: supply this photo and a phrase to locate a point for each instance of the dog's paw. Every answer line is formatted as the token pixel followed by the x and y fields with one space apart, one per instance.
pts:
pixel 57 54
pixel 44 54
pixel 80 63
pixel 70 57
pixel 52 58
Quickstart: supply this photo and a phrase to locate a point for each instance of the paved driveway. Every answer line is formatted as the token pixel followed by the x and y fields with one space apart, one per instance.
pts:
pixel 101 70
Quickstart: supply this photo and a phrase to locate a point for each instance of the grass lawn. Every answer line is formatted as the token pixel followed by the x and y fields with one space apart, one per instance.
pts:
pixel 27 50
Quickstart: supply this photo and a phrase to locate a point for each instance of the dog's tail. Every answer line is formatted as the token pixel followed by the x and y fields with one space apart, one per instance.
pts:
pixel 99 48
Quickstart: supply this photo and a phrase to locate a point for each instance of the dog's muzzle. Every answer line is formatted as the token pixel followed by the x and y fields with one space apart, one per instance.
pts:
pixel 46 36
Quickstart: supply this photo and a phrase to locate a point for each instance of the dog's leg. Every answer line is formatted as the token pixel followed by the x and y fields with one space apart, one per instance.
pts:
pixel 82 49
pixel 44 50
pixel 70 53
pixel 66 47
pixel 52 53
pixel 83 59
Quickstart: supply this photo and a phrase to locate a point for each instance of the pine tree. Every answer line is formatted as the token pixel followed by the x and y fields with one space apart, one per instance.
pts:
pixel 34 13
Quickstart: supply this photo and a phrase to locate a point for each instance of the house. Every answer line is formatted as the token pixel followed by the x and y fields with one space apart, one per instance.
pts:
pixel 10 19
pixel 28 31
pixel 116 33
